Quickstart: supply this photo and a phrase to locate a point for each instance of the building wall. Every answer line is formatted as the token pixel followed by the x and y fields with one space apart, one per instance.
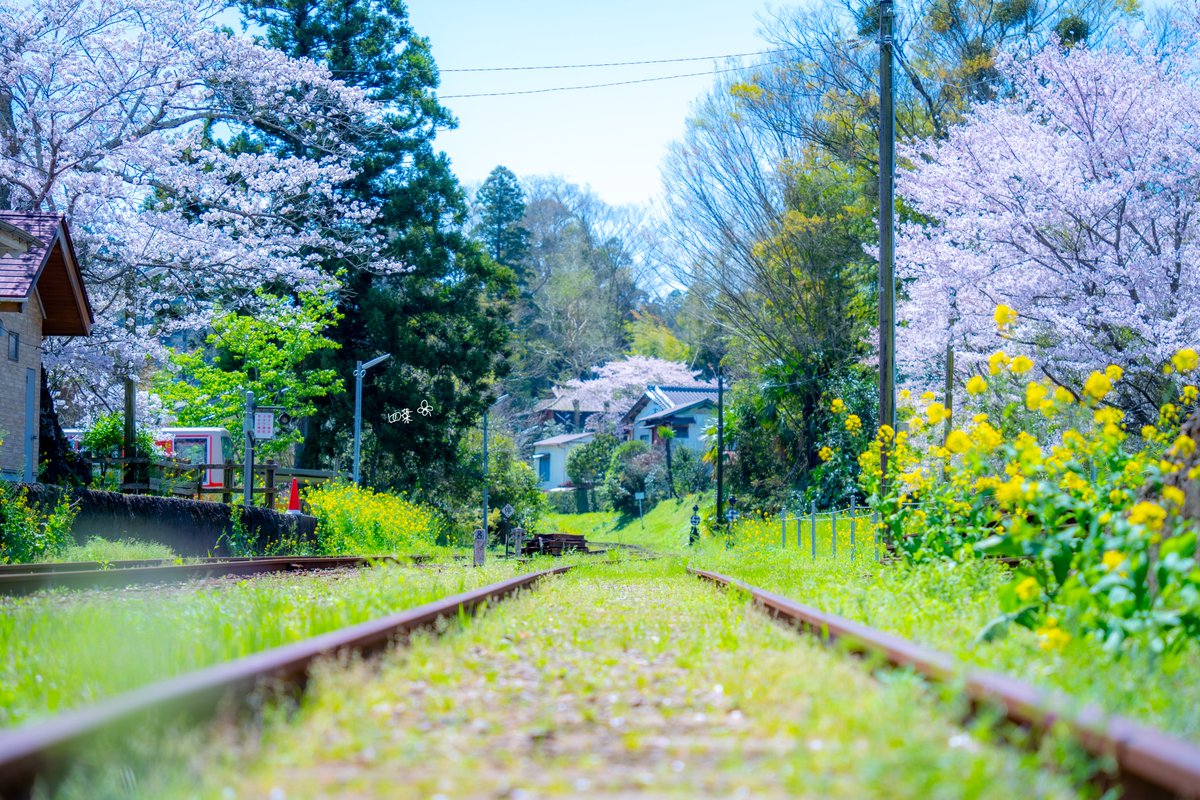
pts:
pixel 27 324
pixel 557 453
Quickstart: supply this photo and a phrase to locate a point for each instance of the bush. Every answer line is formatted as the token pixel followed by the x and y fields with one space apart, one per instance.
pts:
pixel 568 501
pixel 27 534
pixel 353 521
pixel 691 474
pixel 634 468
pixel 107 438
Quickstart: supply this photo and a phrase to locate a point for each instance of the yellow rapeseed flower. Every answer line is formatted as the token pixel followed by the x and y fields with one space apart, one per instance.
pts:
pixel 958 442
pixel 1052 637
pixel 853 423
pixel 837 406
pixel 1175 495
pixel 1114 373
pixel 1149 514
pixel 986 437
pixel 916 425
pixel 1028 589
pixel 1063 396
pixel 1185 360
pixel 936 413
pixel 1109 415
pixel 1004 316
pixel 1113 559
pixel 1011 491
pixel 980 417
pixel 825 453
pixel 1020 365
pixel 1035 393
pixel 1097 386
pixel 997 361
pixel 976 385
pixel 1183 446
pixel 928 397
pixel 905 394
pixel 1189 394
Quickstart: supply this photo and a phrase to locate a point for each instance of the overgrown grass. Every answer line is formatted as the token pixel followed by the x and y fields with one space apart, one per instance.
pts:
pixel 353 520
pixel 103 550
pixel 664 527
pixel 60 651
pixel 631 680
pixel 946 606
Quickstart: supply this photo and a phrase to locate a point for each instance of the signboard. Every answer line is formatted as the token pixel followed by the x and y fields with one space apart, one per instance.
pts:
pixel 695 520
pixel 639 495
pixel 480 546
pixel 264 425
pixel 731 515
pixel 507 511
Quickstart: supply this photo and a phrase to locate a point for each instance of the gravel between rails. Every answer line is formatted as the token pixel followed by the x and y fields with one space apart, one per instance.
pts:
pixel 628 680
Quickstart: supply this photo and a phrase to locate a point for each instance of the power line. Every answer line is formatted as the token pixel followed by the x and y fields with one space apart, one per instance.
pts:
pixel 611 63
pixel 601 85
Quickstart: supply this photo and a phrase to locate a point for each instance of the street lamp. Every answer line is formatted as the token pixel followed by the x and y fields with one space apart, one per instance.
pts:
pixel 493 404
pixel 360 370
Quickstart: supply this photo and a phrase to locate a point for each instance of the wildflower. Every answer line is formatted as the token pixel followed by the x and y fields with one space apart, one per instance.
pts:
pixel 978 418
pixel 825 453
pixel 1063 396
pixel 1035 393
pixel 1097 386
pixel 1189 394
pixel 977 385
pixel 1148 432
pixel 958 442
pixel 853 423
pixel 1028 589
pixel 987 438
pixel 1174 494
pixel 1112 559
pixel 1114 373
pixel 1185 360
pixel 916 425
pixel 837 406
pixel 1052 637
pixel 1004 316
pixel 1149 514
pixel 928 397
pixel 1020 365
pixel 886 433
pixel 1183 446
pixel 937 413
pixel 1011 491
pixel 905 394
pixel 997 361
pixel 1109 416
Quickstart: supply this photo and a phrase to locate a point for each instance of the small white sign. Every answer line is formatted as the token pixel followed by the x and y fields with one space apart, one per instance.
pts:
pixel 639 495
pixel 264 424
pixel 507 511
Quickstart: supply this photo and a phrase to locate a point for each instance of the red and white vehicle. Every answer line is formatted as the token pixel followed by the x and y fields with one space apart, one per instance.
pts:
pixel 193 445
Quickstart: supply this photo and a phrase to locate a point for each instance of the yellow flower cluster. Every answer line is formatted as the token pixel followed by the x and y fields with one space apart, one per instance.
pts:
pixel 1005 317
pixel 354 521
pixel 825 453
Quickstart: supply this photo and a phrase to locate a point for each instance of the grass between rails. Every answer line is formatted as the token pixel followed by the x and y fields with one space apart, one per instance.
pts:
pixel 945 606
pixel 61 651
pixel 623 680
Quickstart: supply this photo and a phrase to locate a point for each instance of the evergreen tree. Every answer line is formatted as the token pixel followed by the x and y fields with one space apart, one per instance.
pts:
pixel 501 204
pixel 446 319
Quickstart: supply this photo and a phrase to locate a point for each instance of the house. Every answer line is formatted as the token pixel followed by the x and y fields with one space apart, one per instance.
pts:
pixel 687 410
pixel 550 458
pixel 41 294
pixel 570 409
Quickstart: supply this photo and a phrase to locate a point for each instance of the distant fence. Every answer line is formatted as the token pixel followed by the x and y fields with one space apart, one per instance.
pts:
pixel 851 531
pixel 170 476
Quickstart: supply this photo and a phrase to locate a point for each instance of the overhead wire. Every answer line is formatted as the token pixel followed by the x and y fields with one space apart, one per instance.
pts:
pixel 611 63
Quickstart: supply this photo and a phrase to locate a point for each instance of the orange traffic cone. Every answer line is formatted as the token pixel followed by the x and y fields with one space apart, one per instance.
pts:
pixel 294 500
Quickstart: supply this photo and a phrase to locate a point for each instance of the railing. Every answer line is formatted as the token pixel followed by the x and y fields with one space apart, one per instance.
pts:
pixel 173 476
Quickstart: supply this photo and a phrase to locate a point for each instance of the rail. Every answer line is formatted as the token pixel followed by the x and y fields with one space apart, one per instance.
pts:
pixel 1150 764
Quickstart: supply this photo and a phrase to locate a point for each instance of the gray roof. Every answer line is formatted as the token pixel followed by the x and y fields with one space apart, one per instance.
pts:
pixel 671 412
pixel 565 438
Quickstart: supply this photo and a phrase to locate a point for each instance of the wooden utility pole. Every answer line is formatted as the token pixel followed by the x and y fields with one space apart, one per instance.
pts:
pixel 887 232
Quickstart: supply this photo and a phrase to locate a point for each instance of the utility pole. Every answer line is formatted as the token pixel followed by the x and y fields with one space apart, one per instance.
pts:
pixel 248 465
pixel 360 371
pixel 720 447
pixel 887 213
pixel 129 436
pixel 487 411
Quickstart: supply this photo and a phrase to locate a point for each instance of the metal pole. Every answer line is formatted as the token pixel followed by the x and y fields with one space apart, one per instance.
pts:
pixel 833 536
pixel 358 379
pixel 720 447
pixel 949 390
pixel 887 240
pixel 485 471
pixel 812 508
pixel 852 521
pixel 248 462
pixel 783 530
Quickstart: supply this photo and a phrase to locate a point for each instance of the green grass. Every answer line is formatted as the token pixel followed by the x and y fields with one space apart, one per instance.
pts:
pixel 59 651
pixel 618 681
pixel 945 606
pixel 98 549
pixel 664 527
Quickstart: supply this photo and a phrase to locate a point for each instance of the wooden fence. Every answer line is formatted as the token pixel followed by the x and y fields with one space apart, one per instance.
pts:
pixel 182 479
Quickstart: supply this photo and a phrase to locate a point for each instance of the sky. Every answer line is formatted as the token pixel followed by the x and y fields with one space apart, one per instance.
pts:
pixel 611 139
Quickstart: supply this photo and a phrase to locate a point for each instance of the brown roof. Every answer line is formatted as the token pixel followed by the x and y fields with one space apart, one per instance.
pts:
pixel 49 268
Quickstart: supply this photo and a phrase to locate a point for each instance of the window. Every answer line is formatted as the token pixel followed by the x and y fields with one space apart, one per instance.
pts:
pixel 14 346
pixel 544 470
pixel 681 431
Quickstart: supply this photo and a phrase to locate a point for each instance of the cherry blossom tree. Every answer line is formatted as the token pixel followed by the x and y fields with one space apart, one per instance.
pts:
pixel 1075 200
pixel 194 164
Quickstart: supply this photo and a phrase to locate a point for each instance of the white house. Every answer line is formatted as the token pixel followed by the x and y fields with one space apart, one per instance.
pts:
pixel 41 294
pixel 687 410
pixel 550 458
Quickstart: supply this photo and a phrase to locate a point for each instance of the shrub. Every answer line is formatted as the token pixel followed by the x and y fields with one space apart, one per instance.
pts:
pixel 691 474
pixel 634 468
pixel 353 520
pixel 28 534
pixel 106 437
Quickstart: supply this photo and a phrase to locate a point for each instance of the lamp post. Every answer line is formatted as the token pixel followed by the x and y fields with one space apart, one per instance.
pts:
pixel 492 405
pixel 360 371
pixel 720 445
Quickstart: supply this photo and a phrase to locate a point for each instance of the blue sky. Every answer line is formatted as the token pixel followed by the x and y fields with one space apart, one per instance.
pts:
pixel 612 139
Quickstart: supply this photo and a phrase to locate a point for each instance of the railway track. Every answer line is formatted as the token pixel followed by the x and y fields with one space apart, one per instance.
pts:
pixel 1150 764
pixel 18 579
pixel 32 750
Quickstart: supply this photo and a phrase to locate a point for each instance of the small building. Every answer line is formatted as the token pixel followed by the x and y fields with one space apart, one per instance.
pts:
pixel 687 410
pixel 550 458
pixel 41 294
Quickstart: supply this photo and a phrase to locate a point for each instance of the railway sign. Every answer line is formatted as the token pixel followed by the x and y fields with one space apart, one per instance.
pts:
pixel 480 546
pixel 732 515
pixel 508 511
pixel 695 520
pixel 264 425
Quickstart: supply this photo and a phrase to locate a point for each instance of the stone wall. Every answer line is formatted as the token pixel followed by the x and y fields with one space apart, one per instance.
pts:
pixel 27 324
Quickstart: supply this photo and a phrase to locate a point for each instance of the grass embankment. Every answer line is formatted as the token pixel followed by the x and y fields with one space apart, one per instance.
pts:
pixel 621 681
pixel 61 651
pixel 945 606
pixel 103 550
pixel 664 527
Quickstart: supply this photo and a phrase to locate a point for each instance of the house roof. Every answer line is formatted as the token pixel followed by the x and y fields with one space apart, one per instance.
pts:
pixel 48 267
pixel 565 438
pixel 683 409
pixel 669 397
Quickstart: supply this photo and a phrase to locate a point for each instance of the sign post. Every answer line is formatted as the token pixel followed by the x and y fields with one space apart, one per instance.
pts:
pixel 640 497
pixel 694 534
pixel 480 546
